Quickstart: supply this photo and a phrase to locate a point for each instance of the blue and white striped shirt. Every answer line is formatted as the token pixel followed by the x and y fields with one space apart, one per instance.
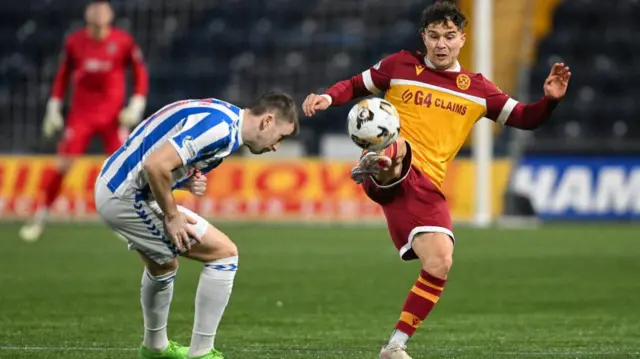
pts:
pixel 203 132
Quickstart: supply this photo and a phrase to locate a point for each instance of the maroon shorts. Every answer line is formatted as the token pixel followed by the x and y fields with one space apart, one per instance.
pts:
pixel 411 205
pixel 78 135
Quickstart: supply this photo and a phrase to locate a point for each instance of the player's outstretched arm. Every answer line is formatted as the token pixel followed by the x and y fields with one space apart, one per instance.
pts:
pixel 509 112
pixel 53 121
pixel 370 81
pixel 132 114
pixel 158 167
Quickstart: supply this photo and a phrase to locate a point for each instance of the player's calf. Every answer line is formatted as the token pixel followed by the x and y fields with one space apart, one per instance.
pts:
pixel 435 251
pixel 156 293
pixel 220 257
pixel 54 184
pixel 32 230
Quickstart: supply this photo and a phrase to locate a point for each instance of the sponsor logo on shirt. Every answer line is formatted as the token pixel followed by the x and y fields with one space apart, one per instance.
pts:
pixel 97 65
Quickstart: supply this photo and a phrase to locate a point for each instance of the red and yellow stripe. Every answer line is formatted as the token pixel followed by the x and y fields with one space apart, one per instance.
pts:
pixel 410 319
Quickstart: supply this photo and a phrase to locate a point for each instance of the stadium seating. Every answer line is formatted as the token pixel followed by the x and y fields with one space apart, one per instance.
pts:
pixel 237 49
pixel 230 49
pixel 602 105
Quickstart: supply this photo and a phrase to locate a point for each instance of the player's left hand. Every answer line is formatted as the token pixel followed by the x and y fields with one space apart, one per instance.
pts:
pixel 197 184
pixel 131 115
pixel 555 86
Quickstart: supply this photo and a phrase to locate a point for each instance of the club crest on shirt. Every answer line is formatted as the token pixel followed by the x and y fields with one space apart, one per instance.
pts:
pixel 111 48
pixel 186 141
pixel 463 82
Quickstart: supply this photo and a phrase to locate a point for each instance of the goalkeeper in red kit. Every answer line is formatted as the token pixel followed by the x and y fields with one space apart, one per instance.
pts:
pixel 95 58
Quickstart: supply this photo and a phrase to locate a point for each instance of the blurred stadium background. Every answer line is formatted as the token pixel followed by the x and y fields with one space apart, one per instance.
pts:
pixel 236 49
pixel 562 291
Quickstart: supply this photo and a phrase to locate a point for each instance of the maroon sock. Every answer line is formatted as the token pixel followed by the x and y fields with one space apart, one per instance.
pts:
pixel 422 298
pixel 52 189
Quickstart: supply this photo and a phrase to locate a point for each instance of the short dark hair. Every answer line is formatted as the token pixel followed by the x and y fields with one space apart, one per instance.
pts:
pixel 282 104
pixel 441 12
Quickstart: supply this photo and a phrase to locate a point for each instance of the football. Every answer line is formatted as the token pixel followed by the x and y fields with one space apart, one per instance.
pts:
pixel 373 124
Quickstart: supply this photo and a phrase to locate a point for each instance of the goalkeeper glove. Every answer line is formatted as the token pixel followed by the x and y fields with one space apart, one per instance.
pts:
pixel 370 164
pixel 53 121
pixel 131 115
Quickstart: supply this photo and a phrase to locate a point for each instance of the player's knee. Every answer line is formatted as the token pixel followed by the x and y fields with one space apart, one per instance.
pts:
pixel 159 280
pixel 435 250
pixel 214 245
pixel 438 265
pixel 222 246
pixel 228 249
pixel 160 270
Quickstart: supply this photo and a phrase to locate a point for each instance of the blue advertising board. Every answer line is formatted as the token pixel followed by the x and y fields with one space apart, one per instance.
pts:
pixel 577 188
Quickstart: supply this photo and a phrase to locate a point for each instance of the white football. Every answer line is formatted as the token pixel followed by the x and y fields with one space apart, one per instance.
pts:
pixel 374 124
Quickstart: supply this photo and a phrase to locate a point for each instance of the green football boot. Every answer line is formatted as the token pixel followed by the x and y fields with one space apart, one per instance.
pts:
pixel 213 354
pixel 173 351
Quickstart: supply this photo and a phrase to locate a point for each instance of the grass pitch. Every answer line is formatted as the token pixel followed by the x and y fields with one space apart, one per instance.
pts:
pixel 557 292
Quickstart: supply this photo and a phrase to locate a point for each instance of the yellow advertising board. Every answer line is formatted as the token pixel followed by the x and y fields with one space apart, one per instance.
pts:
pixel 240 189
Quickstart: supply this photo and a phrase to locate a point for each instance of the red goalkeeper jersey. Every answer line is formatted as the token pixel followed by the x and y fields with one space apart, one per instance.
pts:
pixel 97 69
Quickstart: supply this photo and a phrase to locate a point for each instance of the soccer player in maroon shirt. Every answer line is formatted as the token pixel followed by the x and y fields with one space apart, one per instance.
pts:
pixel 95 58
pixel 438 102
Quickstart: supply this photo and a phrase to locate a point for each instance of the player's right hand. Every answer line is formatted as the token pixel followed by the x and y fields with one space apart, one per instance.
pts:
pixel 371 164
pixel 314 103
pixel 53 121
pixel 178 228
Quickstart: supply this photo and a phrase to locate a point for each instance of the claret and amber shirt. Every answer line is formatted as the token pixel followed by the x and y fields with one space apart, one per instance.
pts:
pixel 437 108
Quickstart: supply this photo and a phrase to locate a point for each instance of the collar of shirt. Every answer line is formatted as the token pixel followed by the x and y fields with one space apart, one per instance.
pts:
pixel 239 132
pixel 454 68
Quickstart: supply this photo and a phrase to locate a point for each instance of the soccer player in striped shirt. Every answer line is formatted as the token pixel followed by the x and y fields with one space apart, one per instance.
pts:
pixel 170 150
pixel 438 102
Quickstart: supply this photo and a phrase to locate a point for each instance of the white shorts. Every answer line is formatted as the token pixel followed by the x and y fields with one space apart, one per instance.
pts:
pixel 141 223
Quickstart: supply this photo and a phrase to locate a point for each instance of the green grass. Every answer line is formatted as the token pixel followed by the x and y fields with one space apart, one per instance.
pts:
pixel 558 292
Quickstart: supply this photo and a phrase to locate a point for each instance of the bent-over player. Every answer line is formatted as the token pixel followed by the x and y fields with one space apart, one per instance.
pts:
pixel 170 150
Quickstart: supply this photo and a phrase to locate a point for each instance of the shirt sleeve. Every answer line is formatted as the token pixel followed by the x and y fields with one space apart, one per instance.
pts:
pixel 202 133
pixel 499 104
pixel 140 74
pixel 506 111
pixel 60 81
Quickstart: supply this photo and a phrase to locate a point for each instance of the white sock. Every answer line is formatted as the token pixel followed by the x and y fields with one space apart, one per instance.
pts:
pixel 399 337
pixel 155 296
pixel 41 215
pixel 214 290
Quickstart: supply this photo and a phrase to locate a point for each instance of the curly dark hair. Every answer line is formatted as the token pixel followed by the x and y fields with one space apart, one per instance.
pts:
pixel 441 12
